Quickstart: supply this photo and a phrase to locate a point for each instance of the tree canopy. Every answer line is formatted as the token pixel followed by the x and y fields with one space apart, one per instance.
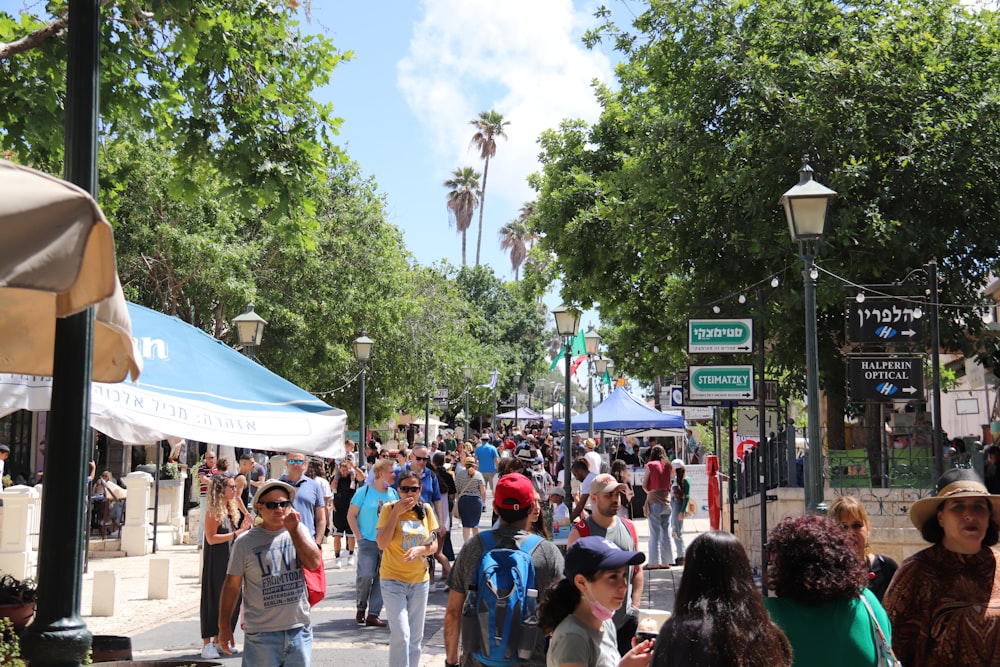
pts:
pixel 668 203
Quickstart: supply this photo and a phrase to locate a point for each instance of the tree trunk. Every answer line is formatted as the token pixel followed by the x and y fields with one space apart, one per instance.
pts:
pixel 482 205
pixel 464 235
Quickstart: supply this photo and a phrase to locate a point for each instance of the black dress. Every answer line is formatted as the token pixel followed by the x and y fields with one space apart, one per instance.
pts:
pixel 213 576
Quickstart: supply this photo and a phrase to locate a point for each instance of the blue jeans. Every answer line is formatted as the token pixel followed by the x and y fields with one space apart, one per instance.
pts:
pixel 288 648
pixel 660 552
pixel 677 525
pixel 366 581
pixel 405 608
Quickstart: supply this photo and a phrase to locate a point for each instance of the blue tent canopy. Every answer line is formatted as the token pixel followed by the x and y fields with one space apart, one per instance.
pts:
pixel 624 411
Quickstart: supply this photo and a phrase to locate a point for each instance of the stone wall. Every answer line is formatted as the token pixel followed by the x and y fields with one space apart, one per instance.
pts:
pixel 892 533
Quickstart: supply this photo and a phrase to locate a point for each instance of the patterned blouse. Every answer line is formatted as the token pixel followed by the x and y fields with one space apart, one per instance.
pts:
pixel 945 608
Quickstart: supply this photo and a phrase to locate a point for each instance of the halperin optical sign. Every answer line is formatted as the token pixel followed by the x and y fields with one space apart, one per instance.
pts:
pixel 886 378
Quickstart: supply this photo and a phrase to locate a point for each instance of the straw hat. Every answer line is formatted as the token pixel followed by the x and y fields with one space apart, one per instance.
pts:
pixel 955 483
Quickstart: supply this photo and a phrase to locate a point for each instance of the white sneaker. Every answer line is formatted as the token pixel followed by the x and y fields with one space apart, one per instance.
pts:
pixel 337 564
pixel 209 652
pixel 350 561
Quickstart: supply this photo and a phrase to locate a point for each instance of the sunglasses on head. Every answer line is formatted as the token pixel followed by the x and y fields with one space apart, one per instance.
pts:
pixel 275 504
pixel 385 456
pixel 409 489
pixel 295 462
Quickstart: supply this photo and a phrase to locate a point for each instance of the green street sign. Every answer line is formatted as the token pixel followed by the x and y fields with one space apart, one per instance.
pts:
pixel 730 336
pixel 720 383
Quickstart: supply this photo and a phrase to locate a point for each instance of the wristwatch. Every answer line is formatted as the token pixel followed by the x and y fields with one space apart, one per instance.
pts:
pixel 450 664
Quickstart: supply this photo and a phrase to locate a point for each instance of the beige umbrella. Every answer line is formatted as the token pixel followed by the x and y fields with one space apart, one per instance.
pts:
pixel 57 257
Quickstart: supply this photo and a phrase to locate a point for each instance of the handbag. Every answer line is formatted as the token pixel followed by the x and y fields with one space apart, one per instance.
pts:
pixel 315 583
pixel 886 658
pixel 691 507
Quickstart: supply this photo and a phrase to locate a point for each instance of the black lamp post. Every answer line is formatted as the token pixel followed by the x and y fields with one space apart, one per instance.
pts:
pixel 249 331
pixel 362 353
pixel 600 368
pixel 805 209
pixel 517 396
pixel 567 323
pixel 467 376
pixel 592 341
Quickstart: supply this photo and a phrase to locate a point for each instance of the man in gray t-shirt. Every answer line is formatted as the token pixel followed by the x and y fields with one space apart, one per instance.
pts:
pixel 513 500
pixel 267 563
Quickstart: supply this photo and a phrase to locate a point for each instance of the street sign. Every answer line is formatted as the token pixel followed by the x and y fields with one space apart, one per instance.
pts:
pixel 884 321
pixel 697 414
pixel 889 378
pixel 676 396
pixel 748 422
pixel 720 336
pixel 720 383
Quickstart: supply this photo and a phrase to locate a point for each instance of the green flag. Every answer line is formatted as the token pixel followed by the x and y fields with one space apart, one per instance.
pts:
pixel 579 347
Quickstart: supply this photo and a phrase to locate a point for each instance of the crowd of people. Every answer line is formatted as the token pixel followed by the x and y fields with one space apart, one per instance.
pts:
pixel 826 598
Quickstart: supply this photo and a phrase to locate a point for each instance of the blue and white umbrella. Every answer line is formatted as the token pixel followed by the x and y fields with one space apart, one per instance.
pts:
pixel 196 387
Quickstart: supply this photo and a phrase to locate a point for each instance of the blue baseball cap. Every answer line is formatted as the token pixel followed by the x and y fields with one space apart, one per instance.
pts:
pixel 592 554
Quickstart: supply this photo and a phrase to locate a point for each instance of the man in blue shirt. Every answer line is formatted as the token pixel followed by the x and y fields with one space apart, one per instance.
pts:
pixel 487 456
pixel 309 501
pixel 430 490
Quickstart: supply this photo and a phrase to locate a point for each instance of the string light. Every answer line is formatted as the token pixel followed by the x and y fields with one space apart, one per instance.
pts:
pixel 775 282
pixel 860 298
pixel 742 298
pixel 716 310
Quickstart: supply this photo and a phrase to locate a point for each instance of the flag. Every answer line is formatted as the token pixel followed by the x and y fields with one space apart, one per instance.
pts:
pixel 579 346
pixel 492 384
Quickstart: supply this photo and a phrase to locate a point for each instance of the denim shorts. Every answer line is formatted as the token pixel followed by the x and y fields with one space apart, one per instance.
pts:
pixel 290 648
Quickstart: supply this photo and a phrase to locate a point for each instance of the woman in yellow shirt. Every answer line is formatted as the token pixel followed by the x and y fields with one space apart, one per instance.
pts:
pixel 405 534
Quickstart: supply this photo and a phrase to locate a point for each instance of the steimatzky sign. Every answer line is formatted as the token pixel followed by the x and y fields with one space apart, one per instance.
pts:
pixel 884 321
pixel 720 336
pixel 720 383
pixel 886 378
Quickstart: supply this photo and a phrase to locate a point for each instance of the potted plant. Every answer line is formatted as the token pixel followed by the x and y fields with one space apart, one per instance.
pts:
pixel 17 600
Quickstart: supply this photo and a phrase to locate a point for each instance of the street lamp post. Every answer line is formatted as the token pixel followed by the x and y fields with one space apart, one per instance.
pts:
pixel 249 331
pixel 805 207
pixel 467 376
pixel 362 352
pixel 567 323
pixel 601 367
pixel 592 341
pixel 517 397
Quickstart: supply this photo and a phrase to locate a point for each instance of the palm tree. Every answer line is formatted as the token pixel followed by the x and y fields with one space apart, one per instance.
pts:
pixel 463 198
pixel 489 126
pixel 516 237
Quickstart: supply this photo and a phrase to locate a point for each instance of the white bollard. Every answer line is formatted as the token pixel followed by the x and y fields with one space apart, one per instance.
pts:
pixel 136 532
pixel 105 585
pixel 159 579
pixel 21 505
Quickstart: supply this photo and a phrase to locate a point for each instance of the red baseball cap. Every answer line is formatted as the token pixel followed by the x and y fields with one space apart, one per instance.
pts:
pixel 514 491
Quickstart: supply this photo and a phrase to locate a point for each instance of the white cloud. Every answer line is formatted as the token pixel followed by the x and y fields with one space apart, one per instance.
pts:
pixel 522 58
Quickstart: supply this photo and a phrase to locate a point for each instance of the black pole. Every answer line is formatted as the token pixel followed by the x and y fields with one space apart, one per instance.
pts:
pixel 467 416
pixel 59 636
pixel 361 434
pixel 762 445
pixel 568 438
pixel 932 280
pixel 732 474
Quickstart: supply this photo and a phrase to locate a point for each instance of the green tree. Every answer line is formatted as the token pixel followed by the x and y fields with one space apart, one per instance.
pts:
pixel 226 84
pixel 489 126
pixel 463 199
pixel 516 237
pixel 677 183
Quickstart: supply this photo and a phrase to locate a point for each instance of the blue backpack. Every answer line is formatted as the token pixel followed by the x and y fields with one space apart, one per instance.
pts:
pixel 496 612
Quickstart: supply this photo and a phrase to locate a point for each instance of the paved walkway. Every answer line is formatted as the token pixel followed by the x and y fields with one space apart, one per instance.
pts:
pixel 169 629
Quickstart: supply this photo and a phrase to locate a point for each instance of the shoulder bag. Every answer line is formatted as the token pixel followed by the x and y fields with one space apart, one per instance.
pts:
pixel 886 658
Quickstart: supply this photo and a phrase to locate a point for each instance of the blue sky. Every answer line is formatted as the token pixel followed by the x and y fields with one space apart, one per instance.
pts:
pixel 422 70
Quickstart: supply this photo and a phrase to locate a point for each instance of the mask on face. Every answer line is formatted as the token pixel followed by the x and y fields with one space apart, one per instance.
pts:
pixel 599 611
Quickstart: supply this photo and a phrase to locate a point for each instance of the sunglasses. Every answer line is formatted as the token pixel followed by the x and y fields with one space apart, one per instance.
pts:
pixel 295 462
pixel 230 486
pixel 421 458
pixel 275 504
pixel 409 489
pixel 385 456
pixel 643 636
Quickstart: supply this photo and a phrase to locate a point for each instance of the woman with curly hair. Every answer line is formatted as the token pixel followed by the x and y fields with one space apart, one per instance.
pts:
pixel 852 516
pixel 224 522
pixel 719 618
pixel 819 580
pixel 944 601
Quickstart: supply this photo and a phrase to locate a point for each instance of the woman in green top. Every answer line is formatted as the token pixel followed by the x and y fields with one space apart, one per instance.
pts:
pixel 680 496
pixel 815 571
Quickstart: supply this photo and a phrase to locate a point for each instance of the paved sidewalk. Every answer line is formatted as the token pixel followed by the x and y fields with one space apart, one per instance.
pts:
pixel 169 629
